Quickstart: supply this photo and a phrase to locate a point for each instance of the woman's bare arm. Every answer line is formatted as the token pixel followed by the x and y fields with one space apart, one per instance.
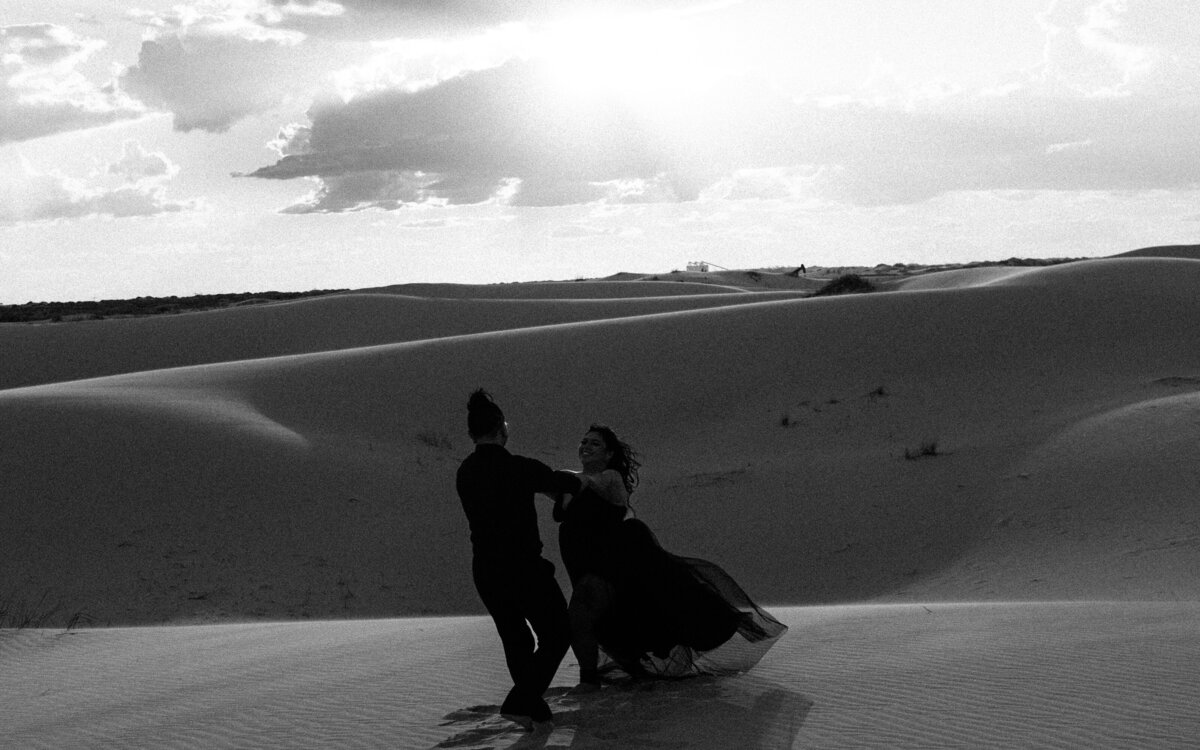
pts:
pixel 609 485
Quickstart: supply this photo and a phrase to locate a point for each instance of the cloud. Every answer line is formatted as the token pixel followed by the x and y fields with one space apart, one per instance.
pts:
pixel 1107 110
pixel 213 68
pixel 36 197
pixel 216 63
pixel 42 91
pixel 1058 148
pixel 660 189
pixel 469 135
pixel 188 81
pixel 1083 51
pixel 141 191
pixel 509 123
pixel 773 183
pixel 376 19
pixel 513 123
pixel 390 189
pixel 364 189
pixel 1115 47
pixel 136 164
pixel 587 231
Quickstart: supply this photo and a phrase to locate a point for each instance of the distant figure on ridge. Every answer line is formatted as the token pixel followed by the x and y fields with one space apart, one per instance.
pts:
pixel 649 611
pixel 514 581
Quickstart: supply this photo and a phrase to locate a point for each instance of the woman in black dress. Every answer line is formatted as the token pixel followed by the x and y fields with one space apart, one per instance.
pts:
pixel 647 610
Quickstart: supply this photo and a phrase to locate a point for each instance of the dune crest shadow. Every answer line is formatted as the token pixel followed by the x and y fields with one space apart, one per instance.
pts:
pixel 701 712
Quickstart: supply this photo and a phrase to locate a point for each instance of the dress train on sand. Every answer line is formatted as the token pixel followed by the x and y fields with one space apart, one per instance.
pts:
pixel 671 615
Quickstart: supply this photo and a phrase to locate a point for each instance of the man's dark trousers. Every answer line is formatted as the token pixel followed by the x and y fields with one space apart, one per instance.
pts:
pixel 520 594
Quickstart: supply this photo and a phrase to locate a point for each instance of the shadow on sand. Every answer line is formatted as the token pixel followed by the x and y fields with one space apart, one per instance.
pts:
pixel 700 712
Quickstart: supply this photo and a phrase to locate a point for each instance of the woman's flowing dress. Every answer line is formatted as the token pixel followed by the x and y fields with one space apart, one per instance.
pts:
pixel 671 615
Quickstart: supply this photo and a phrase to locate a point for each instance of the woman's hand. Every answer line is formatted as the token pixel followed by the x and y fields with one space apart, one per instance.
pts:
pixel 560 506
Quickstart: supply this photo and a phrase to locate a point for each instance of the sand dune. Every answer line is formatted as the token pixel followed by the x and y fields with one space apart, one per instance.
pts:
pixel 320 484
pixel 622 286
pixel 961 278
pixel 988 435
pixel 750 281
pixel 1140 274
pixel 1048 675
pixel 583 289
pixel 36 354
pixel 1191 252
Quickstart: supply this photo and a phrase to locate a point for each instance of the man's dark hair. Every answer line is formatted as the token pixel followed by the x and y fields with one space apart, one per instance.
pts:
pixel 484 418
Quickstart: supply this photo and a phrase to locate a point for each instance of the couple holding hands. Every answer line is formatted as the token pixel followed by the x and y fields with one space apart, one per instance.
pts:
pixel 634 606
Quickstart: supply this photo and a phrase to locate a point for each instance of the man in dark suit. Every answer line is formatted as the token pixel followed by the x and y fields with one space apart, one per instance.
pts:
pixel 516 584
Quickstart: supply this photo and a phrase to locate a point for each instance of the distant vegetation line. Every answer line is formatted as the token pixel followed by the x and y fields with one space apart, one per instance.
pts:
pixel 36 312
pixel 847 280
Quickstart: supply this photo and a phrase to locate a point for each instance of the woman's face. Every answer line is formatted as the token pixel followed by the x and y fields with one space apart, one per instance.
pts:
pixel 593 451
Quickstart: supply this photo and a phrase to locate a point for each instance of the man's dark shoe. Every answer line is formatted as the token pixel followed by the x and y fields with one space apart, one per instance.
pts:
pixel 540 711
pixel 589 682
pixel 525 712
pixel 526 722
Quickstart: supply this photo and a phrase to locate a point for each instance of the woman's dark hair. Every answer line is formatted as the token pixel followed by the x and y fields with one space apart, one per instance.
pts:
pixel 624 458
pixel 483 416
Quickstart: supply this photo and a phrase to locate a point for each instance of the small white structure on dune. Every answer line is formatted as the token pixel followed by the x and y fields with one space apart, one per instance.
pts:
pixel 697 265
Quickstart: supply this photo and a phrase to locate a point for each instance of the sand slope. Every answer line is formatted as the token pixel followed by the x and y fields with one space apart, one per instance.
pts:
pixel 996 467
pixel 1048 675
pixel 321 484
pixel 622 286
pixel 1164 251
pixel 36 354
pixel 589 289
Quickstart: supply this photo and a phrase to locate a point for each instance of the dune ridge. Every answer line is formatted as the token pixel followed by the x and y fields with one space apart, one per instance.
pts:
pixel 991 472
pixel 1164 251
pixel 38 354
pixel 583 289
pixel 813 403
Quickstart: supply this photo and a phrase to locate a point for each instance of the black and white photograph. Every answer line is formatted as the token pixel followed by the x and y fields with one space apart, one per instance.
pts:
pixel 599 374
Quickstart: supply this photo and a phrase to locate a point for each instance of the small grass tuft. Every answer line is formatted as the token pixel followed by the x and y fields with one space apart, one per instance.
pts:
pixel 22 614
pixel 79 619
pixel 435 440
pixel 927 449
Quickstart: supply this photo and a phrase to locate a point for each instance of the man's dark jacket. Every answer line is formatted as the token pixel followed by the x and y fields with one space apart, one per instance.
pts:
pixel 496 489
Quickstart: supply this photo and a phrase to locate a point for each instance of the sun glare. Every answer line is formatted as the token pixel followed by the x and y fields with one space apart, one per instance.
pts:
pixel 646 58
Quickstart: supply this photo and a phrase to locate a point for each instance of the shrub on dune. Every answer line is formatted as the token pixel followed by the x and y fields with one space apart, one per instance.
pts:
pixel 850 283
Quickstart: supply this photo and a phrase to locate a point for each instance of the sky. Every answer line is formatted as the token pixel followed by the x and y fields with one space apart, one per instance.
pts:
pixel 206 146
